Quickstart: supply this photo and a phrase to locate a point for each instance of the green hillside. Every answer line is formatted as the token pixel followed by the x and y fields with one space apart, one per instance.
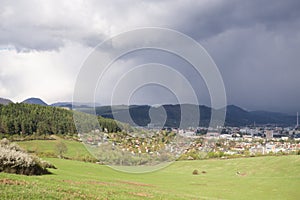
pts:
pixel 258 178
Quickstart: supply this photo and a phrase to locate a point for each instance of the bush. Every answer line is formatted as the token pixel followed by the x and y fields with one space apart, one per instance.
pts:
pixel 195 172
pixel 15 160
pixel 46 164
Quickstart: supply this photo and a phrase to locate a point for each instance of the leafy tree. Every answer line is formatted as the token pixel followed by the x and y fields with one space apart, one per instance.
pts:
pixel 61 149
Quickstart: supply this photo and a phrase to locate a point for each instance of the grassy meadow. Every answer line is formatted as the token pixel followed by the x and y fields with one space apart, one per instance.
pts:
pixel 75 150
pixel 272 177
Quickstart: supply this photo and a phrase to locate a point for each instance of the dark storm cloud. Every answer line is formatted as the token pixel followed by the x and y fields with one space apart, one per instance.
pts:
pixel 215 18
pixel 255 43
pixel 256 46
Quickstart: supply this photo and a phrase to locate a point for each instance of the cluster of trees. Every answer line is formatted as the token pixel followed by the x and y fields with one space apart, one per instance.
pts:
pixel 110 125
pixel 27 119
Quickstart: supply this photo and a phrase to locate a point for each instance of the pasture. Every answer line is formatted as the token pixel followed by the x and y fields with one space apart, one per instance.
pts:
pixel 273 177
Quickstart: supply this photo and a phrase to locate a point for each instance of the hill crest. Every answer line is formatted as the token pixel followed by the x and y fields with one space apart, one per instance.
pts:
pixel 34 100
pixel 4 101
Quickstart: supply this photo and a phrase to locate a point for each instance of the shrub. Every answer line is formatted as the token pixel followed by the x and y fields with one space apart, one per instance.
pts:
pixel 15 160
pixel 46 164
pixel 61 149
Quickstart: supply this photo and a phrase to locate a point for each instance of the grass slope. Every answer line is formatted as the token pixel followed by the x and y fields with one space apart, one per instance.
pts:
pixel 75 149
pixel 259 178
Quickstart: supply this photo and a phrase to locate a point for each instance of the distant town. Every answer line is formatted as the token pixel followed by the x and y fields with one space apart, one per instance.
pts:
pixel 247 140
pixel 203 142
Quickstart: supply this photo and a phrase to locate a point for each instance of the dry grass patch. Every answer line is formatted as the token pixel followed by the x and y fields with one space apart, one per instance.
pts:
pixel 7 181
pixel 136 183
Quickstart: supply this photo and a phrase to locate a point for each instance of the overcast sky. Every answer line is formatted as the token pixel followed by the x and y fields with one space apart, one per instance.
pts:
pixel 255 44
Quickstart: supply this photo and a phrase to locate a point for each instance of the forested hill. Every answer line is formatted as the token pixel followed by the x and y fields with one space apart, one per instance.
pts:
pixel 27 119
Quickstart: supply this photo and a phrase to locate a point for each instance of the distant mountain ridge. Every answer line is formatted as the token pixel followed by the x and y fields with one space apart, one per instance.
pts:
pixel 235 116
pixel 75 104
pixel 4 101
pixel 36 101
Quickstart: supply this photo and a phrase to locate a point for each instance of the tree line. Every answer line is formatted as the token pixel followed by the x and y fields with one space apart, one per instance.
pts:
pixel 27 119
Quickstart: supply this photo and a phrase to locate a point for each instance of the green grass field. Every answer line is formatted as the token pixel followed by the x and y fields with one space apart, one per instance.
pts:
pixel 260 178
pixel 75 149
